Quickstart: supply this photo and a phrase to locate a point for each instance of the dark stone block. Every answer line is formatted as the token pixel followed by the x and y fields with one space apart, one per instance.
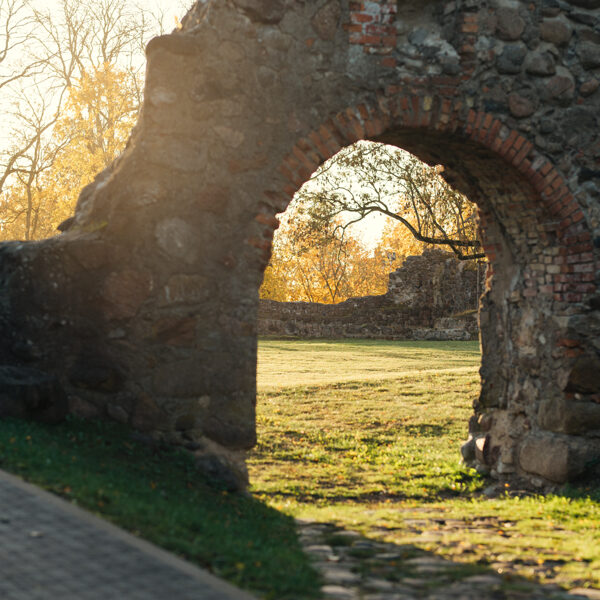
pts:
pixel 92 374
pixel 585 375
pixel 510 24
pixel 512 58
pixel 263 11
pixel 589 54
pixel 31 394
pixel 222 473
pixel 588 4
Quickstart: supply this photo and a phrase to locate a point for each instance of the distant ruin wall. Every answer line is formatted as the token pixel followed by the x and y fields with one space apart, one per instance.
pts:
pixel 432 297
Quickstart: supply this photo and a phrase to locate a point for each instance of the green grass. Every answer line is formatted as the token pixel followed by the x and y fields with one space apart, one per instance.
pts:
pixel 157 494
pixel 372 444
pixel 361 433
pixel 299 363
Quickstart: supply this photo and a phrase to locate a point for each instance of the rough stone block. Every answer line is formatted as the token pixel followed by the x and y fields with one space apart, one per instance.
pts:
pixel 558 458
pixel 27 393
pixel 564 416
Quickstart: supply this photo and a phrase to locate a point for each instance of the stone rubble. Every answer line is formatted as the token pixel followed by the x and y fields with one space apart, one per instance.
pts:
pixel 433 296
pixel 356 568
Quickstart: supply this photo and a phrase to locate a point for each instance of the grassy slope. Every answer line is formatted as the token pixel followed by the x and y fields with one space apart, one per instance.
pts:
pixel 158 494
pixel 380 455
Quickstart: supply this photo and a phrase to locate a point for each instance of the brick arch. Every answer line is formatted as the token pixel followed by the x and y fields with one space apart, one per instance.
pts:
pixel 554 267
pixel 571 270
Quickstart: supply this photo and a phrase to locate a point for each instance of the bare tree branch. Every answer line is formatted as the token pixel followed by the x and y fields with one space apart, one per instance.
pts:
pixel 369 178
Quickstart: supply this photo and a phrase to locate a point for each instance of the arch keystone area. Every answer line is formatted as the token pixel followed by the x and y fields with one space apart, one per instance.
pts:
pixel 144 311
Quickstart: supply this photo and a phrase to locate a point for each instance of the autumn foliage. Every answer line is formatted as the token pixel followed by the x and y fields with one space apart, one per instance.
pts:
pixel 90 133
pixel 318 255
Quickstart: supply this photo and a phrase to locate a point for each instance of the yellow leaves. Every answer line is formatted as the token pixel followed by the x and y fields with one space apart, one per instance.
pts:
pixel 91 132
pixel 320 268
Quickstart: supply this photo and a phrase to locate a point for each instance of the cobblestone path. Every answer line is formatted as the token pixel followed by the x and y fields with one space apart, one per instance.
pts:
pixel 51 550
pixel 356 568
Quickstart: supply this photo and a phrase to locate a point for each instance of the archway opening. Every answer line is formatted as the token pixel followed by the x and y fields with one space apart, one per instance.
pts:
pixel 351 306
pixel 356 460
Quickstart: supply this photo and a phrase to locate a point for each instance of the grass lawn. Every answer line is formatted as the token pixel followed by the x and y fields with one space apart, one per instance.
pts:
pixel 362 433
pixel 371 441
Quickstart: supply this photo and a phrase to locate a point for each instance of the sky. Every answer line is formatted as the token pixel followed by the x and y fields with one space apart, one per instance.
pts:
pixel 177 8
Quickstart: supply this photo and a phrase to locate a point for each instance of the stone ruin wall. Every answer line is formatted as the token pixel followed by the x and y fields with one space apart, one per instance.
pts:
pixel 433 296
pixel 145 309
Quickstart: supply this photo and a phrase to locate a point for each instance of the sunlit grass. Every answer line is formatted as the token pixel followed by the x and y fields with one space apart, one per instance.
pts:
pixel 292 363
pixel 359 445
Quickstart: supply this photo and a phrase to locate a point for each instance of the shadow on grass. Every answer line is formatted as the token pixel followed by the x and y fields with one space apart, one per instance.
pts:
pixel 425 430
pixel 371 566
pixel 158 493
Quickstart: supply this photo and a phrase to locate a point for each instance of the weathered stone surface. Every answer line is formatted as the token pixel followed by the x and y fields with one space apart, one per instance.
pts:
pixel 540 63
pixel 83 409
pixel 263 11
pixel 589 87
pixel 185 289
pixel 92 373
pixel 560 87
pixel 27 393
pixel 156 275
pixel 589 54
pixel 510 61
pixel 326 19
pixel 178 240
pixel 125 291
pixel 589 4
pixel 510 24
pixel 147 416
pixel 182 379
pixel 564 416
pixel 224 467
pixel 585 375
pixel 117 413
pixel 520 105
pixel 175 331
pixel 558 458
pixel 556 31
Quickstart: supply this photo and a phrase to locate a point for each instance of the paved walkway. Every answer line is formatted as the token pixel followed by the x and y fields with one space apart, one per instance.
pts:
pixel 50 550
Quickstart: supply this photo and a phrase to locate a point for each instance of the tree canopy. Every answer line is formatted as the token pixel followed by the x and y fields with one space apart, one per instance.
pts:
pixel 71 81
pixel 367 178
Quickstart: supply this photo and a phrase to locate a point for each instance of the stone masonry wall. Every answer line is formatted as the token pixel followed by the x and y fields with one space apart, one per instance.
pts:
pixel 145 309
pixel 431 297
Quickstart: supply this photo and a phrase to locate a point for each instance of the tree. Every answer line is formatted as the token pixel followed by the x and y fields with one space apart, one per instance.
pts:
pixel 93 128
pixel 71 83
pixel 326 269
pixel 368 178
pixel 91 132
pixel 18 71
